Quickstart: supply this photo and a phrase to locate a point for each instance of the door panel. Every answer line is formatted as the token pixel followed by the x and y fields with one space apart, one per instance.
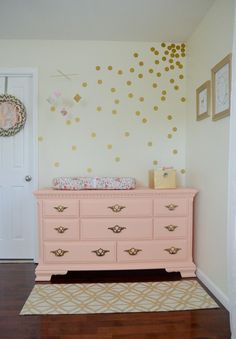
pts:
pixel 17 218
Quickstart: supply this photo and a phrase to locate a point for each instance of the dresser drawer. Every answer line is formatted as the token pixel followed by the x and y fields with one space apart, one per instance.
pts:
pixel 116 207
pixel 171 207
pixel 61 229
pixel 113 229
pixel 62 207
pixel 80 252
pixel 170 228
pixel 148 251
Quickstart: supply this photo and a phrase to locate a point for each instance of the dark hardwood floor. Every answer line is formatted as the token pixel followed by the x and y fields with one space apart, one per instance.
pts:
pixel 17 280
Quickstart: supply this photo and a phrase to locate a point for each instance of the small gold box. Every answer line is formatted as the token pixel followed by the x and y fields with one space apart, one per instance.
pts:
pixel 165 178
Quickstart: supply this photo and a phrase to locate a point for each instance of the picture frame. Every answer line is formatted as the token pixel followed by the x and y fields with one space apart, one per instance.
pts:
pixel 221 88
pixel 203 101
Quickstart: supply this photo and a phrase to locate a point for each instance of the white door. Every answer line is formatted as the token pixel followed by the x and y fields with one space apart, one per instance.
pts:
pixel 17 204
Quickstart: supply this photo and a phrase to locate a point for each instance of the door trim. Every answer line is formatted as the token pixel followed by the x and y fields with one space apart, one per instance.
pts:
pixel 31 72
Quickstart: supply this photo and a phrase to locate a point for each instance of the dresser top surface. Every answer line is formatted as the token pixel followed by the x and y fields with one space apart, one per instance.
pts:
pixel 139 191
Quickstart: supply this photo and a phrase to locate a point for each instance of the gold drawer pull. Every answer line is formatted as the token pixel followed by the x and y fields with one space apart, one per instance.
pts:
pixel 171 228
pixel 61 229
pixel 171 207
pixel 60 208
pixel 133 251
pixel 172 250
pixel 116 208
pixel 116 229
pixel 100 252
pixel 59 252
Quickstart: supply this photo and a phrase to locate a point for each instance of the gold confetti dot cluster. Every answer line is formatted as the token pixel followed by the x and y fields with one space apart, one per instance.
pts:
pixel 161 74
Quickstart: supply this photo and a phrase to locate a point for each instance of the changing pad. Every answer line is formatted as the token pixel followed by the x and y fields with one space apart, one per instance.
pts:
pixel 101 183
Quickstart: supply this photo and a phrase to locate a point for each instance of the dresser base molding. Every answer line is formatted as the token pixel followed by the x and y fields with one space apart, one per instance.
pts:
pixel 44 272
pixel 115 230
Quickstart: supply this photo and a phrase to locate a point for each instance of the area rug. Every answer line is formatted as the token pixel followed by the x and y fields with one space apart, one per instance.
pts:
pixel 117 298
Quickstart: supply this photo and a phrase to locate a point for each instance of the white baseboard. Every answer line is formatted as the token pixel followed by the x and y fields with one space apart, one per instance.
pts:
pixel 213 288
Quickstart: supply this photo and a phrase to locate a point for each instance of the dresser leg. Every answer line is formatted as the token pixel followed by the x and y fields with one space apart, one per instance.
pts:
pixel 185 272
pixel 188 273
pixel 45 275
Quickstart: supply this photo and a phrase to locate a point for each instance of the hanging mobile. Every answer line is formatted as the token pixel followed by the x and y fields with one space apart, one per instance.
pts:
pixel 12 114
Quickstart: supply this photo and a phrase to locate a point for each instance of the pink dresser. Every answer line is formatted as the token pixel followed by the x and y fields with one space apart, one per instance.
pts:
pixel 114 230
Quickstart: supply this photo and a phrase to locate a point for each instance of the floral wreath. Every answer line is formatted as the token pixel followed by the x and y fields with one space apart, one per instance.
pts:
pixel 12 115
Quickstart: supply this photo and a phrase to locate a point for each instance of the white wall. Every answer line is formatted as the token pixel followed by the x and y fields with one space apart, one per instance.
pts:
pixel 147 126
pixel 208 147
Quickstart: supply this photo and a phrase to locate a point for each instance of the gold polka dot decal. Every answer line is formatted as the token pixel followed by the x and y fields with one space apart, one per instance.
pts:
pixel 117 159
pixel 130 95
pixel 181 76
pixel 155 108
pixel 89 170
pixel 158 74
pixel 113 90
pixel 144 120
pixel 77 98
pixel 174 151
pixel 172 81
pixel 141 63
pixel 156 52
pixel 155 162
pixel 99 81
pixel 169 117
pixel 135 55
pixel 141 99
pixel 138 113
pixel 74 148
pixel 109 68
pixel 126 134
pixel 183 99
pixel 150 70
pixel 152 49
pixel 129 83
pixel 99 108
pixel 93 135
pixel 131 70
pixel 98 68
pixel 174 129
pixel 84 84
pixel 120 72
pixel 163 98
pixel 114 111
pixel 56 164
pixel 182 171
pixel 77 119
pixel 163 44
pixel 176 87
pixel 140 76
pixel 109 146
pixel 149 143
pixel 40 139
pixel 157 62
pixel 154 85
pixel 68 122
pixel 163 92
pixel 116 101
pixel 52 108
pixel 169 136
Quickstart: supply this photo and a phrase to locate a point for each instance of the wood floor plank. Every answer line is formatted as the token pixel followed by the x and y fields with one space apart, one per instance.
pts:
pixel 17 280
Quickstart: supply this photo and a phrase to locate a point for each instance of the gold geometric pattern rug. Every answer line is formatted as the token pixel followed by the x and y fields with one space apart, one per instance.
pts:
pixel 117 297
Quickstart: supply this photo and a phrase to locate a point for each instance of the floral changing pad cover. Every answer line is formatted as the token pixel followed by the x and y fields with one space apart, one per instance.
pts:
pixel 101 183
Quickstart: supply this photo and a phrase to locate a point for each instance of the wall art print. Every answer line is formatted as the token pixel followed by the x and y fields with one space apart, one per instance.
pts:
pixel 12 115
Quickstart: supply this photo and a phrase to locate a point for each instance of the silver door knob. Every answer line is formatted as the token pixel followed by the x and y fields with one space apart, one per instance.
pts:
pixel 28 178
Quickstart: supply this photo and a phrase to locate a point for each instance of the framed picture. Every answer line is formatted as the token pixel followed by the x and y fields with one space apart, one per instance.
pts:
pixel 203 101
pixel 221 88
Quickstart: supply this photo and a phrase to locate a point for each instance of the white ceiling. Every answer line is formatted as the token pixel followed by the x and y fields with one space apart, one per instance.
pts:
pixel 117 20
